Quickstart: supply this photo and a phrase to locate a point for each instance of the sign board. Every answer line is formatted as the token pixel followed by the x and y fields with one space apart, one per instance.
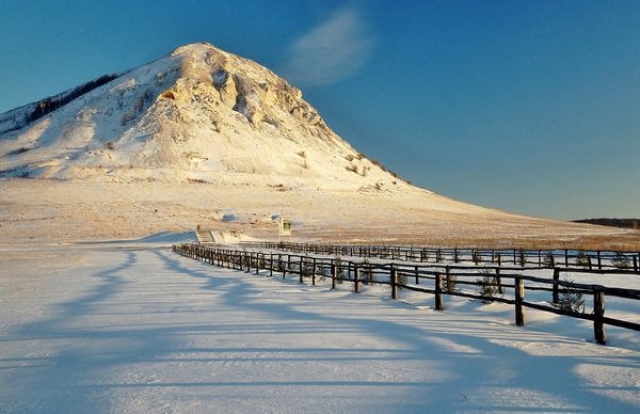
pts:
pixel 285 227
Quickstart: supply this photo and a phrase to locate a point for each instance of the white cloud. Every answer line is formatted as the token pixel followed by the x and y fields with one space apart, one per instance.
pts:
pixel 330 52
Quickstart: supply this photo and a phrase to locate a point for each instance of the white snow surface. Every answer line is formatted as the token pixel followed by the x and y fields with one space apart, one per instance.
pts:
pixel 133 328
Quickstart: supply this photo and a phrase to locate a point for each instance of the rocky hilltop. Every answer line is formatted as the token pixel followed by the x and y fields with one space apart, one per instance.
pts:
pixel 189 115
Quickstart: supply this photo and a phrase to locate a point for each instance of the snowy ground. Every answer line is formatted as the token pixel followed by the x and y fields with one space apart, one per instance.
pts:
pixel 115 328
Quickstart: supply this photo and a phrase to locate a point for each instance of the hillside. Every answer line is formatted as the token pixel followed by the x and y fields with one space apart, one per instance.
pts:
pixel 205 137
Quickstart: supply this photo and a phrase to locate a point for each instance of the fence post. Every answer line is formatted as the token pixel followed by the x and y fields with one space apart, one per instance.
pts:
pixel 313 272
pixel 301 269
pixel 499 280
pixel 394 283
pixel 539 258
pixel 284 266
pixel 258 262
pixel 417 276
pixel 271 264
pixel 438 289
pixel 556 287
pixel 598 313
pixel 356 276
pixel 519 299
pixel 447 277
pixel 599 260
pixel 334 275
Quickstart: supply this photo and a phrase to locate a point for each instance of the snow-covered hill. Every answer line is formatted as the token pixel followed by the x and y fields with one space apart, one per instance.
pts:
pixel 192 115
pixel 202 135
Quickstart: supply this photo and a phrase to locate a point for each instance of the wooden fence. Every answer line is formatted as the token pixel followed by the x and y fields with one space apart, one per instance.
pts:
pixel 581 259
pixel 492 283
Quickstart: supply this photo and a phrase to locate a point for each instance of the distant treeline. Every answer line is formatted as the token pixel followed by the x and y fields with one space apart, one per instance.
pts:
pixel 626 223
pixel 50 104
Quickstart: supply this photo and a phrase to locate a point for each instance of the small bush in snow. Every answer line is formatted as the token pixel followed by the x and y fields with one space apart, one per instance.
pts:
pixel 281 266
pixel 402 280
pixel 549 260
pixel 476 257
pixel 621 261
pixel 307 268
pixel 570 299
pixel 367 272
pixel 582 260
pixel 487 287
pixel 450 284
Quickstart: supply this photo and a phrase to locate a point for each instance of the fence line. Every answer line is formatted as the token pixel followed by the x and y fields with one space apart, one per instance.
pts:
pixel 436 279
pixel 585 259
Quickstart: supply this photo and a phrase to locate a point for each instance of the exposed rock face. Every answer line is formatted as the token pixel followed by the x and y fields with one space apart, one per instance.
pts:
pixel 195 112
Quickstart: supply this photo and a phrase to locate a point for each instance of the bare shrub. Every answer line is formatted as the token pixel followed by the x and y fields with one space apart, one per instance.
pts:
pixel 549 260
pixel 582 260
pixel 621 261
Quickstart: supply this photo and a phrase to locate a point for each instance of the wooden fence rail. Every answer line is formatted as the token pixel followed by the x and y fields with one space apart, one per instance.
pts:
pixel 491 282
pixel 583 259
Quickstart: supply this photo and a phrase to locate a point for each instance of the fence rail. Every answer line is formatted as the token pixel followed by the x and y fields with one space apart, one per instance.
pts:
pixel 491 282
pixel 581 259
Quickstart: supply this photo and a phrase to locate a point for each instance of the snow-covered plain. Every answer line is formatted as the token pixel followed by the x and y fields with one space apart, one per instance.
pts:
pixel 132 327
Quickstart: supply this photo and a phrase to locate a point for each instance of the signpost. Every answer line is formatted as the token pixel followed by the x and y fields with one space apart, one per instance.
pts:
pixel 285 227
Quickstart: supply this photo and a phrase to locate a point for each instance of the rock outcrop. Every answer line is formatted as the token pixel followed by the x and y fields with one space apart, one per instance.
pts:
pixel 192 114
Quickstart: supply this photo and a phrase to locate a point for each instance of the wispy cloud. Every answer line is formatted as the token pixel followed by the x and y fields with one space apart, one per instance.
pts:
pixel 331 51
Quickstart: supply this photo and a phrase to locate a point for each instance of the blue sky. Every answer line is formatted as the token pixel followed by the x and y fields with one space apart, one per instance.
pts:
pixel 527 106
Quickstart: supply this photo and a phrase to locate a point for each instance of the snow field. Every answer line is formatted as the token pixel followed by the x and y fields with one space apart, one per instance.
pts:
pixel 95 329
